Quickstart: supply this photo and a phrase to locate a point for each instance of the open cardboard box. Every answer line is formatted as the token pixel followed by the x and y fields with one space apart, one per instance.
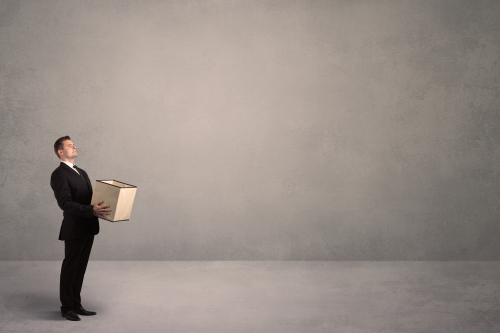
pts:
pixel 117 195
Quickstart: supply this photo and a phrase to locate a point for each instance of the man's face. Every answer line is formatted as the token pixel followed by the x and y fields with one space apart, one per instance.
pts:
pixel 69 150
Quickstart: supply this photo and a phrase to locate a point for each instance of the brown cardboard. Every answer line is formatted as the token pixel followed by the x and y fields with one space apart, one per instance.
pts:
pixel 118 195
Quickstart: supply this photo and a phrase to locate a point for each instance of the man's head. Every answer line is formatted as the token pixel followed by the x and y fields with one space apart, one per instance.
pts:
pixel 65 149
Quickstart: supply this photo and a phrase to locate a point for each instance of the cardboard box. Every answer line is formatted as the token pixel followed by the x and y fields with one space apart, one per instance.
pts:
pixel 118 195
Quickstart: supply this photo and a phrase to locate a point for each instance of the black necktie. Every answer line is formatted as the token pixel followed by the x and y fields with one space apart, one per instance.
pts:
pixel 79 171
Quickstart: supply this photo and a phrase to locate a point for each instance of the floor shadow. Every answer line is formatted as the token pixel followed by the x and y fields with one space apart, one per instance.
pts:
pixel 30 305
pixel 48 315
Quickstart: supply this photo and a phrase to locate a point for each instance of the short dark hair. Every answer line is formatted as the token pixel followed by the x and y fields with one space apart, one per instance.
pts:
pixel 58 145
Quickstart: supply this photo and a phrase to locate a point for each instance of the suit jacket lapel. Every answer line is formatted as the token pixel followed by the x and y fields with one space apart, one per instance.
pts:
pixel 82 178
pixel 87 180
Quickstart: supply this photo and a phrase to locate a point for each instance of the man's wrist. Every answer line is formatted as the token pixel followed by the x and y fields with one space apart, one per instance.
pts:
pixel 92 210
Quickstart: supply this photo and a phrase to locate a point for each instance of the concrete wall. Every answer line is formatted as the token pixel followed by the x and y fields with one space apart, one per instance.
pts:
pixel 257 130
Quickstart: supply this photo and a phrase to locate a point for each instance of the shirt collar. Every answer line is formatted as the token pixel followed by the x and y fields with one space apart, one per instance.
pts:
pixel 70 165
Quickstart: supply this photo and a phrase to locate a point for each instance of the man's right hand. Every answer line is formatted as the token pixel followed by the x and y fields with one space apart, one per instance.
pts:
pixel 100 211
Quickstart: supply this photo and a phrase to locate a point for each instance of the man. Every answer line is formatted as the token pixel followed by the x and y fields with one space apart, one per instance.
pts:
pixel 73 192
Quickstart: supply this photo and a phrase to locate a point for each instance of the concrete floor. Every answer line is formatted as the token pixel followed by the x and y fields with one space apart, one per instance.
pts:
pixel 258 297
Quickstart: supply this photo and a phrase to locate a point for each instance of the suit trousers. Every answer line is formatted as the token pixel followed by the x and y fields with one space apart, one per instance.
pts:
pixel 76 257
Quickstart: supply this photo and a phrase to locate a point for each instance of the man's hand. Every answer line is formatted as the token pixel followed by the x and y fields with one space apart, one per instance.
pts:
pixel 100 211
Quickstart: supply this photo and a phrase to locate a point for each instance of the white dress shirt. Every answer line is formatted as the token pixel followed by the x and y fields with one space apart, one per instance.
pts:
pixel 71 166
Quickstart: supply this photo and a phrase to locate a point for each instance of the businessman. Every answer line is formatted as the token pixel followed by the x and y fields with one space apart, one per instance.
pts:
pixel 73 192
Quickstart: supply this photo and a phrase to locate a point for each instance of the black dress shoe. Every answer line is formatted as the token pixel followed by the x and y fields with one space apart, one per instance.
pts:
pixel 82 312
pixel 70 315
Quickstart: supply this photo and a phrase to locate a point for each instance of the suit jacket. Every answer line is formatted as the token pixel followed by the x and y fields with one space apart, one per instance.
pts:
pixel 73 194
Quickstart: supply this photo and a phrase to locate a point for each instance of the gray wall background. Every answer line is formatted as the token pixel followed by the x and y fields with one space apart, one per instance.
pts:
pixel 262 130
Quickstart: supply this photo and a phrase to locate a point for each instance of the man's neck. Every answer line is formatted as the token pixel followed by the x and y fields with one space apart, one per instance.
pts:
pixel 72 161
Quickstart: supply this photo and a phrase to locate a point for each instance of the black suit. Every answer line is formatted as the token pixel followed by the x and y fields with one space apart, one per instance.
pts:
pixel 73 193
